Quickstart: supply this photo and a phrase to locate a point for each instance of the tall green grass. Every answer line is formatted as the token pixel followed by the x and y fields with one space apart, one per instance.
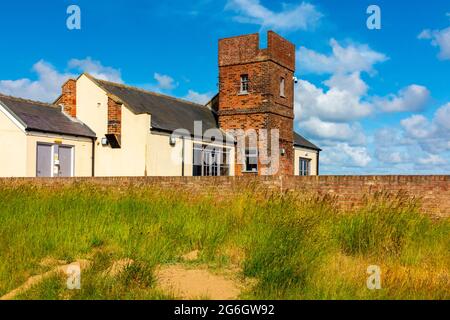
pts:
pixel 295 246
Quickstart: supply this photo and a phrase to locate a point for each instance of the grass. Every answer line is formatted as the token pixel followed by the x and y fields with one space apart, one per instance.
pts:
pixel 295 246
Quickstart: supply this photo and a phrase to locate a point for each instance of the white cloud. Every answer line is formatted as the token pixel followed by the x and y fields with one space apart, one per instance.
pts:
pixel 323 130
pixel 96 69
pixel 201 98
pixel 442 118
pixel 301 17
pixel 343 59
pixel 47 86
pixel 342 102
pixel 440 39
pixel 329 114
pixel 432 159
pixel 417 126
pixel 421 142
pixel 390 156
pixel 165 82
pixel 344 155
pixel 412 98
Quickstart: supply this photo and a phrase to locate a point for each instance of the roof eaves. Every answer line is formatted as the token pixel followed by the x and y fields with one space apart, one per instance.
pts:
pixel 30 129
pixel 306 147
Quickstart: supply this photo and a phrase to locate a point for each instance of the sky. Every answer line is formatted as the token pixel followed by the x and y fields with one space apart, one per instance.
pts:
pixel 377 101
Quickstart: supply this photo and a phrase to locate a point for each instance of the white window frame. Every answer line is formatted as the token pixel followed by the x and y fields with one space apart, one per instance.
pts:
pixel 304 171
pixel 219 155
pixel 245 83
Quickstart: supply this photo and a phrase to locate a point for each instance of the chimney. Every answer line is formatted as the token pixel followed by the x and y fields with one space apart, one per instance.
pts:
pixel 68 97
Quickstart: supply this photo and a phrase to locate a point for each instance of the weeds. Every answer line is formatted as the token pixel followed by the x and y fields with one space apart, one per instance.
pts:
pixel 295 246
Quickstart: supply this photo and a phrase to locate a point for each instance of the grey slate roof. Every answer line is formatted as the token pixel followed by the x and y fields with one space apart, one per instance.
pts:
pixel 167 113
pixel 300 141
pixel 38 116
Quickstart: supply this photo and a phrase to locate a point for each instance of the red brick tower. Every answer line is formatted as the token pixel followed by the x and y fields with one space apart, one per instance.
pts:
pixel 257 91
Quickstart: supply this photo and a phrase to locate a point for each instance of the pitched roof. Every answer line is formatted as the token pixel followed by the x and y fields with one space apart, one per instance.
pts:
pixel 168 113
pixel 43 117
pixel 300 141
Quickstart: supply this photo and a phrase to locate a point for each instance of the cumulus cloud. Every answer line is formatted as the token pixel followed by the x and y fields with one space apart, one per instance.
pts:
pixel 417 126
pixel 165 82
pixel 342 102
pixel 342 59
pixel 201 98
pixel 412 98
pixel 420 141
pixel 432 159
pixel 304 16
pixel 390 156
pixel 47 86
pixel 440 39
pixel 96 69
pixel 329 113
pixel 342 154
pixel 442 118
pixel 345 132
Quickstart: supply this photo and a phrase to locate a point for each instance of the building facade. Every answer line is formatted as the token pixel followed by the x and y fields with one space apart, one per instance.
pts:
pixel 100 128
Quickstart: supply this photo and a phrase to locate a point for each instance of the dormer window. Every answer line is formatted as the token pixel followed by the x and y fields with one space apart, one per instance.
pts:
pixel 282 86
pixel 244 84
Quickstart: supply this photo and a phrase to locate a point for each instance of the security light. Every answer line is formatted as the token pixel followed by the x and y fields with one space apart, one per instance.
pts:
pixel 104 141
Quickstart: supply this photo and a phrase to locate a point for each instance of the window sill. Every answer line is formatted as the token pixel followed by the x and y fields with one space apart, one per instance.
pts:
pixel 243 94
pixel 250 172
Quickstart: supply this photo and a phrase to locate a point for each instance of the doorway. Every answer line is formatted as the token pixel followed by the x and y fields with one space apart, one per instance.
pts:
pixel 54 160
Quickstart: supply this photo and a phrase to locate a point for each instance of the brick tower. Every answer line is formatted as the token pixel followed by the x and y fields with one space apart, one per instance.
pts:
pixel 257 92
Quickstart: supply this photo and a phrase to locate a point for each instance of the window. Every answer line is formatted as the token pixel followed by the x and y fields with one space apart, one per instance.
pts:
pixel 305 167
pixel 210 161
pixel 244 83
pixel 251 160
pixel 282 83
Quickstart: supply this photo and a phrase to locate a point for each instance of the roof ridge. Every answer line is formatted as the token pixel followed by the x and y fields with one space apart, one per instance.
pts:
pixel 149 92
pixel 28 100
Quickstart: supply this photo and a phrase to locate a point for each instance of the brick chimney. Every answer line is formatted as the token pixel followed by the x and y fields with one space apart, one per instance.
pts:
pixel 68 98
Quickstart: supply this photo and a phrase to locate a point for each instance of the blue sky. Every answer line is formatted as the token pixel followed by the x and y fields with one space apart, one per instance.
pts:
pixel 376 101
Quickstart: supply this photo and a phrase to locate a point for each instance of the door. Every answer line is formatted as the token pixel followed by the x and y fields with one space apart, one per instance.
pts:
pixel 65 161
pixel 44 160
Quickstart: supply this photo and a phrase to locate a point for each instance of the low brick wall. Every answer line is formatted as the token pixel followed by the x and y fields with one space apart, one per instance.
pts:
pixel 433 192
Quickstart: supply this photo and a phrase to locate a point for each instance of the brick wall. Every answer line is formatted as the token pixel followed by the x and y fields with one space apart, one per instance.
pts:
pixel 262 107
pixel 433 192
pixel 68 97
pixel 114 118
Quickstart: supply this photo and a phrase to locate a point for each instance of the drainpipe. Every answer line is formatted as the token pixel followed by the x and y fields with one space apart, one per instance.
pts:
pixel 318 158
pixel 182 157
pixel 93 156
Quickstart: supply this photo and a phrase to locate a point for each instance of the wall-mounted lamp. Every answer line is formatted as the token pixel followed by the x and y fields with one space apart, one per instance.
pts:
pixel 105 141
pixel 172 141
pixel 283 151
